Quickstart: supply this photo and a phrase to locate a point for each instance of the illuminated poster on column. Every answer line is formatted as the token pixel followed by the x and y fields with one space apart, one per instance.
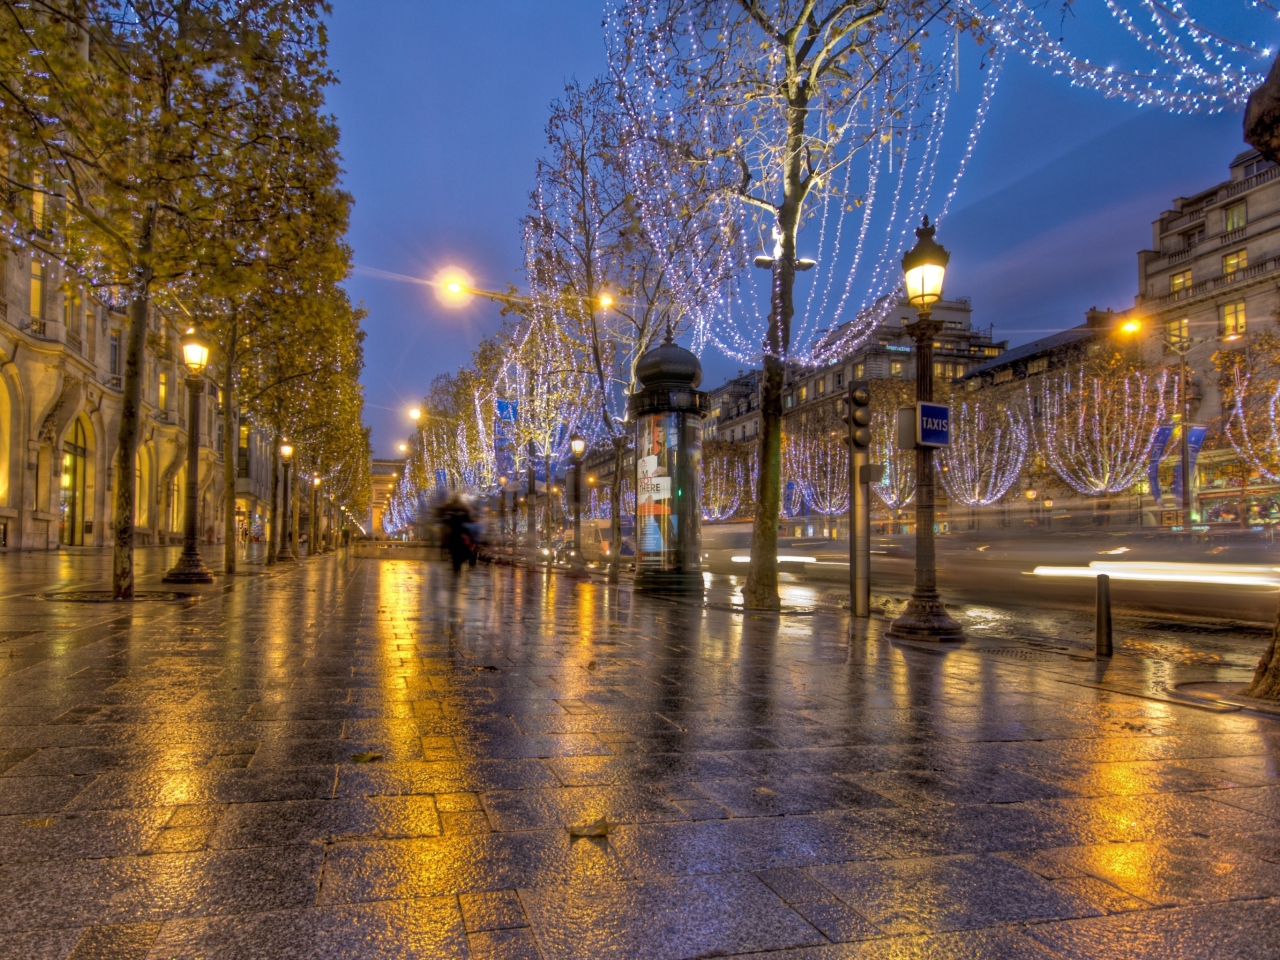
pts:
pixel 654 515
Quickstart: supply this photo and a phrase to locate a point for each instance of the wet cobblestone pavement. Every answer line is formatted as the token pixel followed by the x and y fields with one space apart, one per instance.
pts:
pixel 356 759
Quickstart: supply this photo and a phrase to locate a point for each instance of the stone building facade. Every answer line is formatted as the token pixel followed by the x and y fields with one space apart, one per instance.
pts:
pixel 61 391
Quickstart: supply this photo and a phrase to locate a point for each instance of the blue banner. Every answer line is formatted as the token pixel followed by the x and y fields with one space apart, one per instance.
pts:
pixel 1158 446
pixel 504 454
pixel 1195 440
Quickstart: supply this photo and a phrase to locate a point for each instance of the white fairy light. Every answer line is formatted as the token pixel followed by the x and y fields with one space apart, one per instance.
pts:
pixel 1096 432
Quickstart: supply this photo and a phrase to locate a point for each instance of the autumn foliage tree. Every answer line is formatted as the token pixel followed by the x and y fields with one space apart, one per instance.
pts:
pixel 132 120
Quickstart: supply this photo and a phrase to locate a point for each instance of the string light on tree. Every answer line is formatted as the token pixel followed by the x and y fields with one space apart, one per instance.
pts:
pixel 1096 429
pixel 989 447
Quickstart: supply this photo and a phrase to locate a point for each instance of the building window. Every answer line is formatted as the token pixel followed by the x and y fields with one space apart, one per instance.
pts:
pixel 1192 238
pixel 37 289
pixel 37 204
pixel 162 392
pixel 1178 330
pixel 1180 281
pixel 802 394
pixel 992 351
pixel 786 401
pixel 115 352
pixel 859 371
pixel 1003 376
pixel 840 379
pixel 895 368
pixel 1234 262
pixel 1039 365
pixel 1233 319
pixel 822 385
pixel 1254 167
pixel 1233 218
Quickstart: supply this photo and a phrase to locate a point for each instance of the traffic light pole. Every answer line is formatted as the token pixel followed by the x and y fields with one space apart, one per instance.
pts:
pixel 859 420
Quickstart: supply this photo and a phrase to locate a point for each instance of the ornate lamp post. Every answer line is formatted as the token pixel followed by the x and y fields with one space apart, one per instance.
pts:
pixel 530 502
pixel 925 618
pixel 286 455
pixel 578 446
pixel 190 568
pixel 313 518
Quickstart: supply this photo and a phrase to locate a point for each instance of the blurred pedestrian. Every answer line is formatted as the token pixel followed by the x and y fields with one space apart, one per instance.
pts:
pixel 459 533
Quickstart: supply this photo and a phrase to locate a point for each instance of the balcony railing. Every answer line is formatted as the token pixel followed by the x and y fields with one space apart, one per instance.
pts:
pixel 1248 183
pixel 1215 283
pixel 75 343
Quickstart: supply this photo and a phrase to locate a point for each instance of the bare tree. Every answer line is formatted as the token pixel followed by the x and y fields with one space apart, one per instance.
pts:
pixel 762 104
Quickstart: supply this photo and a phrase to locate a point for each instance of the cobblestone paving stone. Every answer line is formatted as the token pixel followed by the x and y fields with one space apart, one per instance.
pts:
pixel 359 759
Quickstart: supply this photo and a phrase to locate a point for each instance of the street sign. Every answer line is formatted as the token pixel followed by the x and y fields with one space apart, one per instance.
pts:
pixel 933 424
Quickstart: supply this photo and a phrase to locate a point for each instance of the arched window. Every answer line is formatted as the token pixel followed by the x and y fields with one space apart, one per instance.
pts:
pixel 71 488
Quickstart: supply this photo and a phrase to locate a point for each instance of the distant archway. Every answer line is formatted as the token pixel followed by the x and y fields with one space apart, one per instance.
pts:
pixel 6 439
pixel 74 490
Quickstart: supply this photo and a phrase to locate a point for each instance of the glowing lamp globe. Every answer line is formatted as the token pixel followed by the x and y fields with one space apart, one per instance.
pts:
pixel 454 287
pixel 923 268
pixel 286 451
pixel 195 352
pixel 315 481
pixel 578 445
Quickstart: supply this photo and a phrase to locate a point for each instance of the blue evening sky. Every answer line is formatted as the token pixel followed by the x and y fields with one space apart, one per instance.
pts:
pixel 442 106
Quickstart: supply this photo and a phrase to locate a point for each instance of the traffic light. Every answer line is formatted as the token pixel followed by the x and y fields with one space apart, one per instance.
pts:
pixel 858 416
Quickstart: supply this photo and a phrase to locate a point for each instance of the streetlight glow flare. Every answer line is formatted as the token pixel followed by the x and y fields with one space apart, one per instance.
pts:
pixel 454 287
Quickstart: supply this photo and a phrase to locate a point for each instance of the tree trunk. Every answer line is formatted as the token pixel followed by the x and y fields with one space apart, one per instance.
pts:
pixel 230 469
pixel 127 440
pixel 1266 679
pixel 274 518
pixel 761 590
pixel 615 510
pixel 550 513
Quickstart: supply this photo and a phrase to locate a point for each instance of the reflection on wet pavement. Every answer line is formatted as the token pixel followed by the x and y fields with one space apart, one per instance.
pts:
pixel 357 759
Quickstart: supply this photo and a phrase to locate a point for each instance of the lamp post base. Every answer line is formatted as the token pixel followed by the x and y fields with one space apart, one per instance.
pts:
pixel 190 568
pixel 925 619
pixel 285 558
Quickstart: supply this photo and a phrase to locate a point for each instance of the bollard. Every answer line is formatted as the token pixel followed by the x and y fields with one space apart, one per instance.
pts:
pixel 1102 618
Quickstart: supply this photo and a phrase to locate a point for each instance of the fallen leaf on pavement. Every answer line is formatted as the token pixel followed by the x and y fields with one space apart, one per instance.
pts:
pixel 596 828
pixel 42 822
pixel 368 756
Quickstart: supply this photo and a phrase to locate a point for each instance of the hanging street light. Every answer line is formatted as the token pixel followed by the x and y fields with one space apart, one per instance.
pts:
pixel 190 568
pixel 924 268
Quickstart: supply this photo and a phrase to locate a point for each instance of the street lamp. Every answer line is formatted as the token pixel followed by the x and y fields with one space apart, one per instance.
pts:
pixel 530 504
pixel 1181 345
pixel 190 567
pixel 286 455
pixel 313 535
pixel 925 618
pixel 578 446
pixel 403 448
pixel 415 413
